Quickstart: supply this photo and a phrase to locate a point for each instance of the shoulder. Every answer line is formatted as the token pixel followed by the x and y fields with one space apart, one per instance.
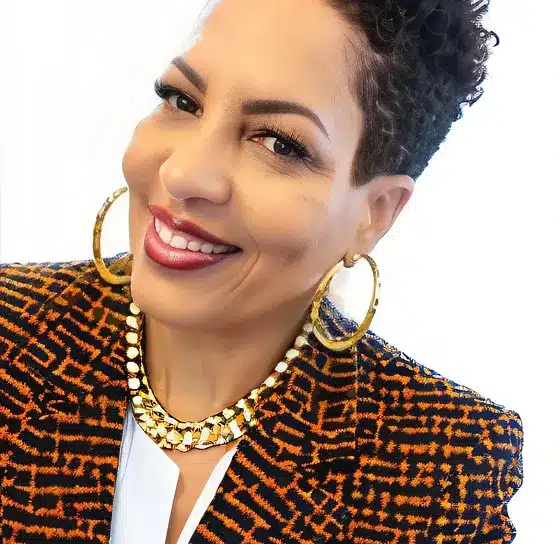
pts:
pixel 414 380
pixel 26 288
pixel 25 284
pixel 427 416
pixel 390 375
pixel 405 407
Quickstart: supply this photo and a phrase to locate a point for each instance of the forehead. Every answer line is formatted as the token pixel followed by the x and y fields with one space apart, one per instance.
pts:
pixel 291 50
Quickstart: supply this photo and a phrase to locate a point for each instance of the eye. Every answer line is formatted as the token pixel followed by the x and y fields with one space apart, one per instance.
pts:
pixel 182 101
pixel 292 141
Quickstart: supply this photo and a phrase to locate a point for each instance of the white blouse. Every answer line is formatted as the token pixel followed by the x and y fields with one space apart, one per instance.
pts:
pixel 145 489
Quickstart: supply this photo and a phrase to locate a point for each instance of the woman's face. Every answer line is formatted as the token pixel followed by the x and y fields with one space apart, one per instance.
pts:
pixel 204 157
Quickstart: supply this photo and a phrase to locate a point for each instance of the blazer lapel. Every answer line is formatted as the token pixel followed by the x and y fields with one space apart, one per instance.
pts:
pixel 289 480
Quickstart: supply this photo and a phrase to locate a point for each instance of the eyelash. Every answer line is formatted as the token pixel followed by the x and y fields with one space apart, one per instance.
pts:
pixel 293 139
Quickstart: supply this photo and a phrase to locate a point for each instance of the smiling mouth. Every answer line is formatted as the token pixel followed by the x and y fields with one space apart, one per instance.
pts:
pixel 182 240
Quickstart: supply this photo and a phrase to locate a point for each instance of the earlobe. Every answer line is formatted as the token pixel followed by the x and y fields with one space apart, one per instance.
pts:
pixel 367 221
pixel 367 233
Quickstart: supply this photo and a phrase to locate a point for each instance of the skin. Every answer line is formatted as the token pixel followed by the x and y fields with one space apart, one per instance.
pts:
pixel 214 334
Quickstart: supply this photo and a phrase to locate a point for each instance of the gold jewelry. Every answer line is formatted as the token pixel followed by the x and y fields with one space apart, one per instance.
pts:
pixel 220 428
pixel 340 344
pixel 232 422
pixel 105 272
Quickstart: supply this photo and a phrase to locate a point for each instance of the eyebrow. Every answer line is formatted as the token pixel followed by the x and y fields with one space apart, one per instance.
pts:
pixel 252 106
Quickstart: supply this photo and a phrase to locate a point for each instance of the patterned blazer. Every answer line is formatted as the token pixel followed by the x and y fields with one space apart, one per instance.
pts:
pixel 362 446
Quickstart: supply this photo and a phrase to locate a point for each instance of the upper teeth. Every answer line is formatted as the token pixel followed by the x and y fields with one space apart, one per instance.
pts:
pixel 181 242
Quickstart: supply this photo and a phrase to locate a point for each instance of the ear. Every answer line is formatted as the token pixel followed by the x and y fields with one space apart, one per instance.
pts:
pixel 383 200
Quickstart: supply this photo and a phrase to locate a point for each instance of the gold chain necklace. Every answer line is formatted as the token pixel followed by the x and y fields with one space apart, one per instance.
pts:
pixel 170 433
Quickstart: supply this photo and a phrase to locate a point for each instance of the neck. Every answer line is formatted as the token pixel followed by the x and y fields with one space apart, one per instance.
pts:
pixel 196 373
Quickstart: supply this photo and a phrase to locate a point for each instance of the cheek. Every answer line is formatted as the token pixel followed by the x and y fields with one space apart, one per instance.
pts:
pixel 291 226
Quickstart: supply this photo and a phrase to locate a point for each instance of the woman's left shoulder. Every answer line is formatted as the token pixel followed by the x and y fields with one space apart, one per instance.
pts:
pixel 381 360
pixel 427 403
pixel 447 455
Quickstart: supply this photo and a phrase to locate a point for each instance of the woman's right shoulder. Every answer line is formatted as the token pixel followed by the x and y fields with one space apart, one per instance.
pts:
pixel 26 285
pixel 24 288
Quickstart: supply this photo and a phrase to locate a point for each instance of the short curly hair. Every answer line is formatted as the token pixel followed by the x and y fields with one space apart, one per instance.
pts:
pixel 415 64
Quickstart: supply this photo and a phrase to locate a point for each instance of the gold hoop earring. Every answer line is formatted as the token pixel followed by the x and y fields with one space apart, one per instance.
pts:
pixel 104 272
pixel 340 344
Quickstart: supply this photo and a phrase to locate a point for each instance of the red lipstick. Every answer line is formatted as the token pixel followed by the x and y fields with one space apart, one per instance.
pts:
pixel 183 225
pixel 182 259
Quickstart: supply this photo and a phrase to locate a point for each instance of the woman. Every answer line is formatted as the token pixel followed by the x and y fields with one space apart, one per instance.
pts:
pixel 202 387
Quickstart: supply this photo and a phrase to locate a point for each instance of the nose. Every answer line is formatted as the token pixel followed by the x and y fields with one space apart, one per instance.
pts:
pixel 196 168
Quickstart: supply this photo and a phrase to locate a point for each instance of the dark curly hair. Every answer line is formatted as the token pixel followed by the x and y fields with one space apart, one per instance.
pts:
pixel 415 63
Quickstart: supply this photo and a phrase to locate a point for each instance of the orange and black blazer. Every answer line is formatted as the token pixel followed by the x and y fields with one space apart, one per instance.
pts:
pixel 363 446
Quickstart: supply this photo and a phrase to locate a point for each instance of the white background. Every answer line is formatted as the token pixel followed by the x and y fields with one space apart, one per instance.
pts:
pixel 469 271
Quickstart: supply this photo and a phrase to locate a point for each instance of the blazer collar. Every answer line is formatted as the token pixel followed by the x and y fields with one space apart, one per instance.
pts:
pixel 305 424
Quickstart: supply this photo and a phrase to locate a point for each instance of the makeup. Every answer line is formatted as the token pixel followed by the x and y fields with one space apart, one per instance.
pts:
pixel 177 258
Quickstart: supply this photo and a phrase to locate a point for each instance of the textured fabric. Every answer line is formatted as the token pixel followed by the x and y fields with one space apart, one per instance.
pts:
pixel 363 446
pixel 143 498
